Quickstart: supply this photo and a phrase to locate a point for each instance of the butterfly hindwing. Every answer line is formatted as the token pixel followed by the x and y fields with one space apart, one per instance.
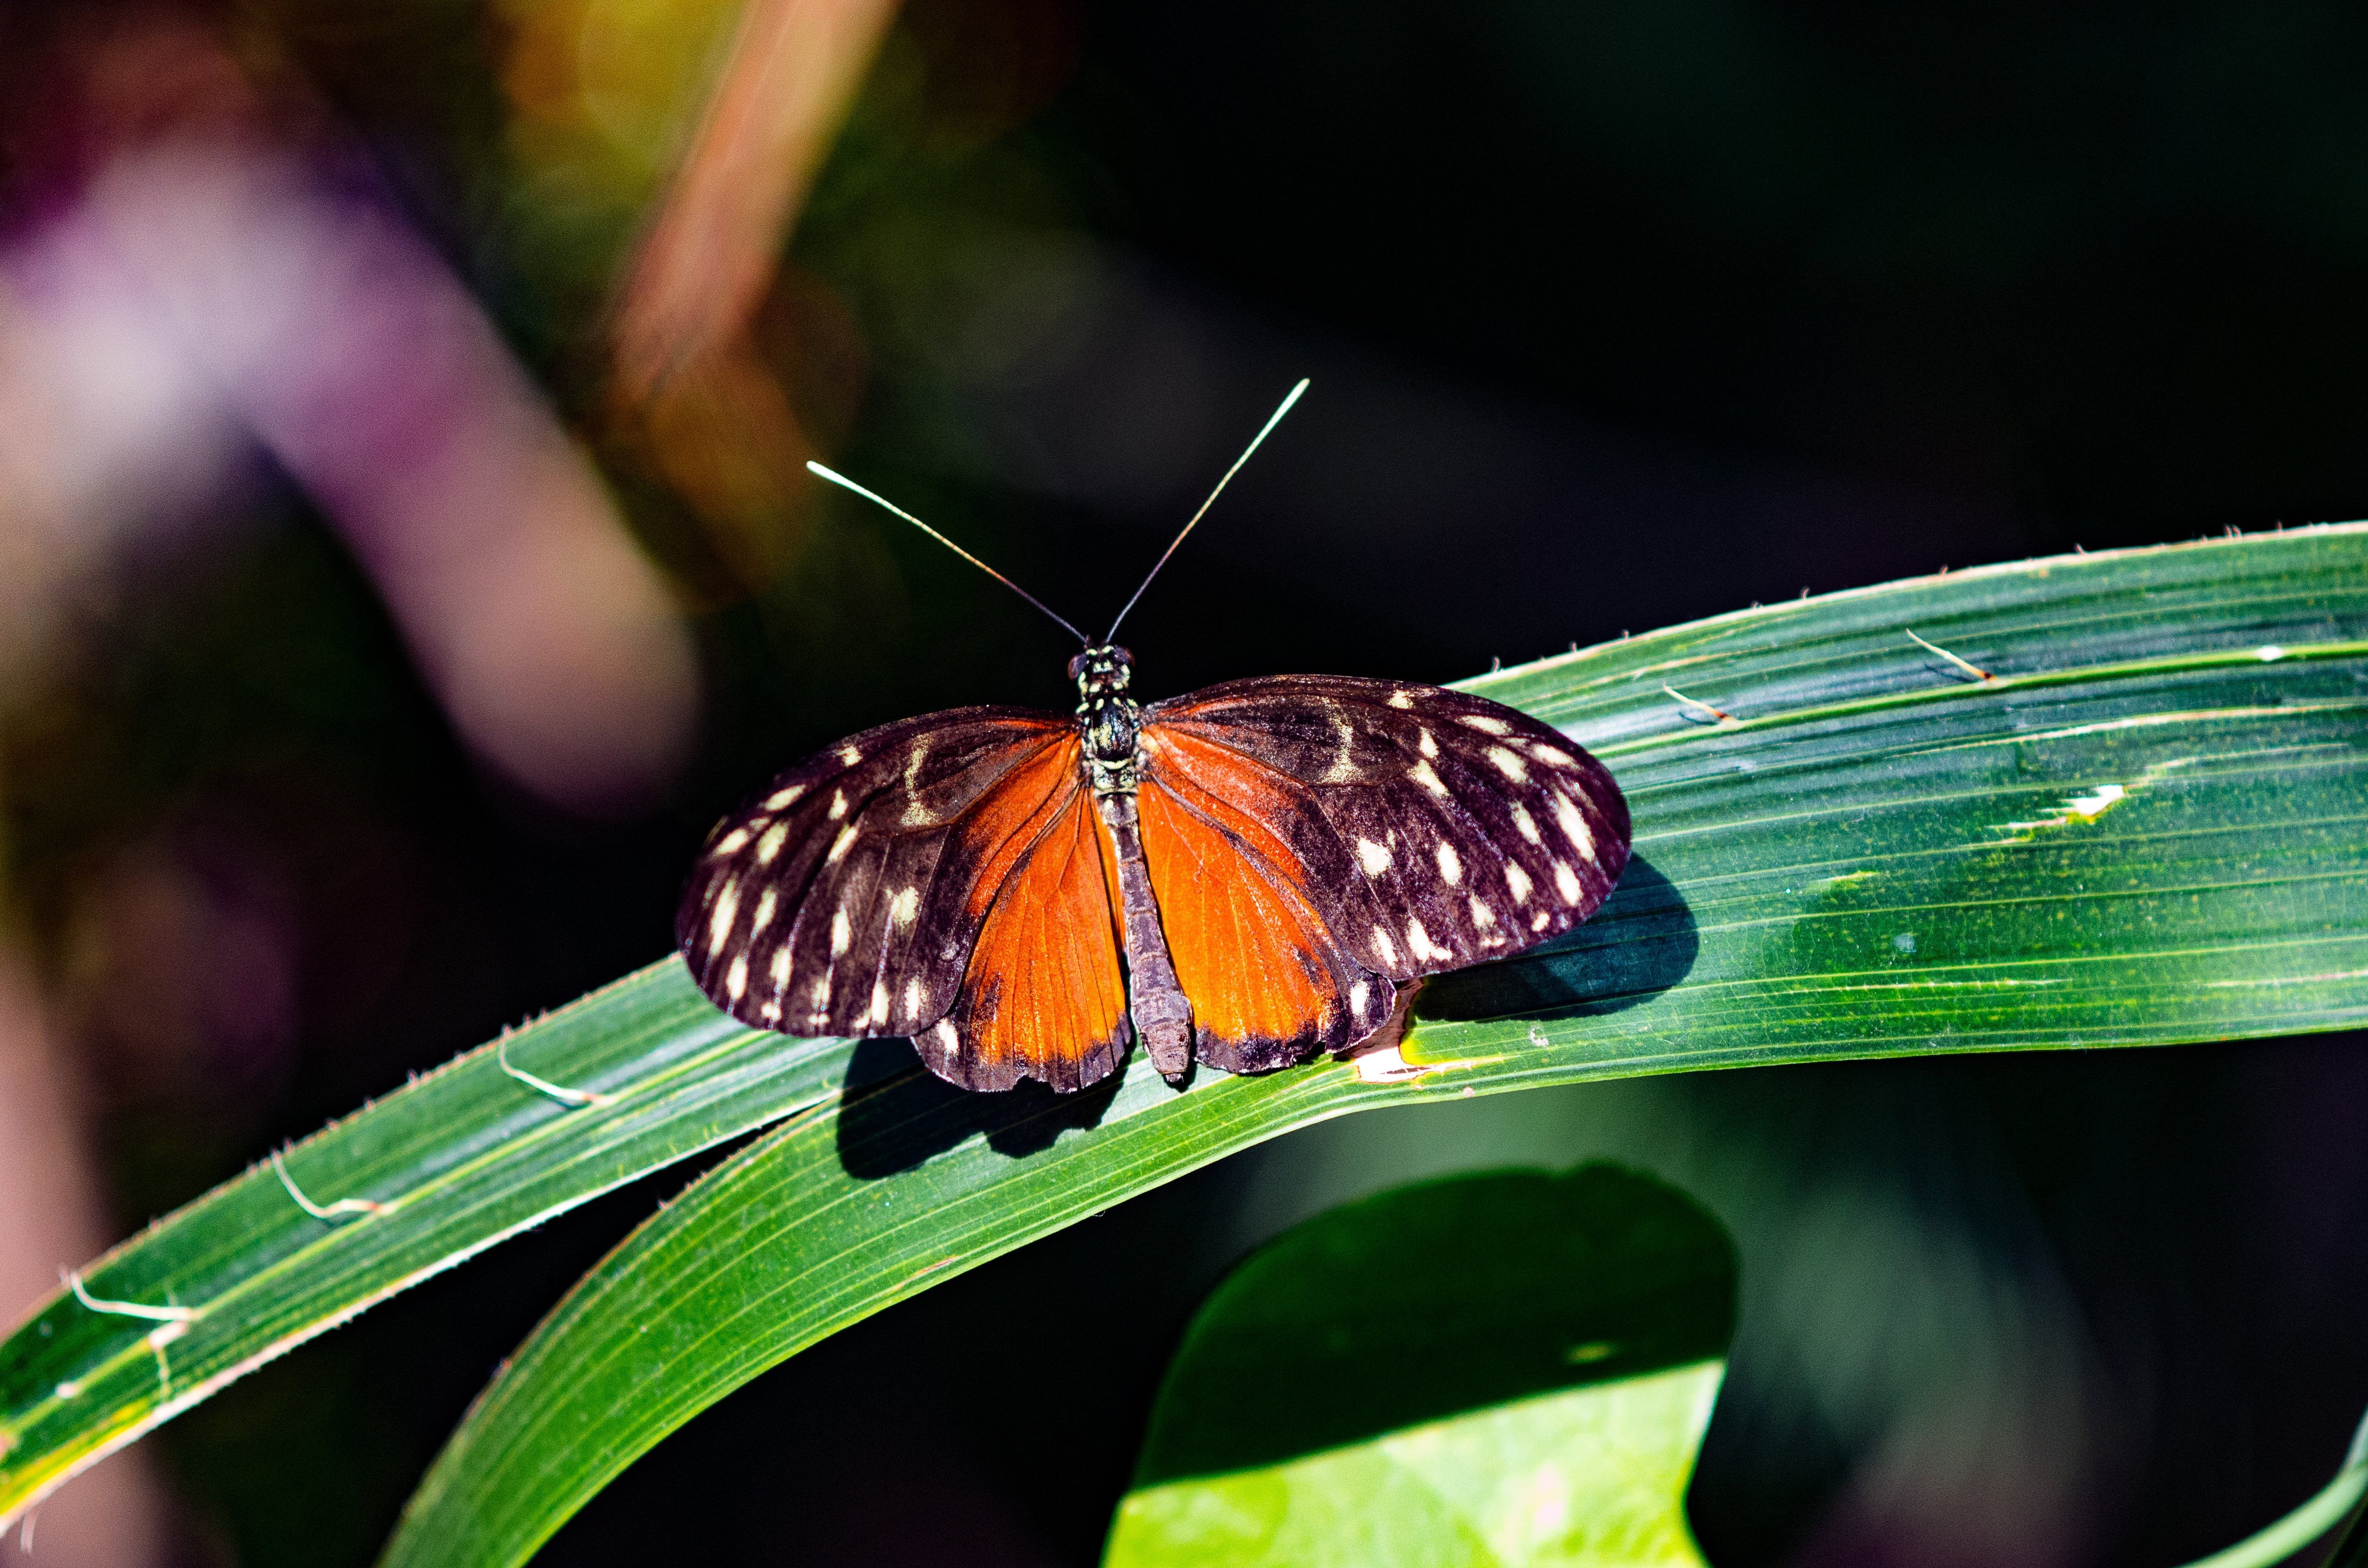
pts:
pixel 1268 980
pixel 1044 996
pixel 847 897
pixel 1430 829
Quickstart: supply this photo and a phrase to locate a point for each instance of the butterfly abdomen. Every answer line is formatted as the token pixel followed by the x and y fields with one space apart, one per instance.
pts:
pixel 1163 1016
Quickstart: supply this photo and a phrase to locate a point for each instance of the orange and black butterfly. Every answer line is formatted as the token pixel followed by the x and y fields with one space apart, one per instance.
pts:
pixel 1245 874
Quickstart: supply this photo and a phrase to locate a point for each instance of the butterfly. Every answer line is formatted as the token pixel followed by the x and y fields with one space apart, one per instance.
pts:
pixel 1245 875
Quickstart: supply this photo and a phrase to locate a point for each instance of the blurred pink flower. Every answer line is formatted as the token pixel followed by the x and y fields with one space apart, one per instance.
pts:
pixel 203 292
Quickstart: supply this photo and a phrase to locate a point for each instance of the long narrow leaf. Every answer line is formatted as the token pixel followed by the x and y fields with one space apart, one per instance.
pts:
pixel 2090 800
pixel 454 1163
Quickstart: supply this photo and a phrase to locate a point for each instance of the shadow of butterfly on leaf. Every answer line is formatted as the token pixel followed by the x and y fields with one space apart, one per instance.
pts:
pixel 895 1116
pixel 1642 942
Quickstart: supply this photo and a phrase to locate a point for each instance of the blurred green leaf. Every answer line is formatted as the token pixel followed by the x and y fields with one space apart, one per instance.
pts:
pixel 2147 828
pixel 2332 1514
pixel 1513 1369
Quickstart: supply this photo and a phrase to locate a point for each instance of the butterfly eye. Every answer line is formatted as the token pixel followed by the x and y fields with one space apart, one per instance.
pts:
pixel 1076 666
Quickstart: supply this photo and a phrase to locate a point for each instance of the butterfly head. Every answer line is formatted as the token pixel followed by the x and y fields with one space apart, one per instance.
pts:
pixel 1102 672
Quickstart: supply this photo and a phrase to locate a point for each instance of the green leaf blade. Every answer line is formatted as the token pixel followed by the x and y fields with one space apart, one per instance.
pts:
pixel 1507 1370
pixel 1867 791
pixel 1466 1494
pixel 463 1158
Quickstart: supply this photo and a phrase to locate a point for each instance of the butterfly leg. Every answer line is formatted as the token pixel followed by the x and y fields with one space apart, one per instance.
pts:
pixel 1162 1015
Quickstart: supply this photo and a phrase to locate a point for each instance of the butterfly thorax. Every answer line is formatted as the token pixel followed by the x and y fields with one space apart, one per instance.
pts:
pixel 1111 718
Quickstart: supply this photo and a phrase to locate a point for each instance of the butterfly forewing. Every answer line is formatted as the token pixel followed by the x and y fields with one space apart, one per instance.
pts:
pixel 1431 828
pixel 846 899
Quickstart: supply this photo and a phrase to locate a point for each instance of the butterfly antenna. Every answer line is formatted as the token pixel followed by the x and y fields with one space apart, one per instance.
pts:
pixel 1272 420
pixel 846 484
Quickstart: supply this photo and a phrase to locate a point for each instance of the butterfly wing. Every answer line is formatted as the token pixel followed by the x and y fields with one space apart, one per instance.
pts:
pixel 1268 978
pixel 1400 830
pixel 844 882
pixel 1043 997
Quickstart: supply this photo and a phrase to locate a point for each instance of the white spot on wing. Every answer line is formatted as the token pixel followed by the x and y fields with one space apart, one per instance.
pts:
pixel 1421 774
pixel 1419 944
pixel 736 984
pixel 1383 946
pixel 850 756
pixel 905 907
pixel 764 916
pixel 1372 856
pixel 916 814
pixel 780 969
pixel 1451 864
pixel 1566 884
pixel 770 1012
pixel 729 841
pixel 913 997
pixel 1541 921
pixel 1481 913
pixel 1357 994
pixel 837 804
pixel 1573 824
pixel 719 920
pixel 780 798
pixel 821 994
pixel 1424 743
pixel 1553 755
pixel 838 846
pixel 879 1001
pixel 770 844
pixel 1485 724
pixel 1509 764
pixel 1524 823
pixel 948 1035
pixel 841 933
pixel 1519 880
pixel 1402 698
pixel 1343 770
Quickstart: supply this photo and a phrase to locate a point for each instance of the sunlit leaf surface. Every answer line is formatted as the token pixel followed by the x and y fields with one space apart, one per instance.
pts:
pixel 2144 826
pixel 455 1161
pixel 1593 1477
pixel 1509 1371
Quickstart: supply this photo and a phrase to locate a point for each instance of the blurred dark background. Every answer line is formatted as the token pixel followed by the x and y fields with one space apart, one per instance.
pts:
pixel 405 555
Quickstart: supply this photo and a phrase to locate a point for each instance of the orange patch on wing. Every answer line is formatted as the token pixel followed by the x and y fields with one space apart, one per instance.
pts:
pixel 1010 817
pixel 1242 796
pixel 1250 951
pixel 1044 995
